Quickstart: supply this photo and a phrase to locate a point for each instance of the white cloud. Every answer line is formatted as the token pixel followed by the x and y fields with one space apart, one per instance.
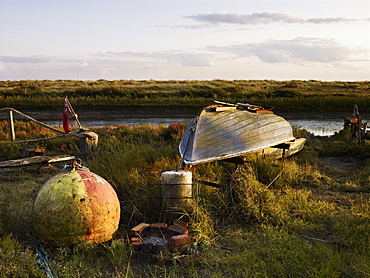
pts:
pixel 29 59
pixel 84 64
pixel 188 59
pixel 267 18
pixel 298 50
pixel 270 59
pixel 333 20
pixel 246 19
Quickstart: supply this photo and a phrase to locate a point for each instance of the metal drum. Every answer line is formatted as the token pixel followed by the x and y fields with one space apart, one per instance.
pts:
pixel 176 188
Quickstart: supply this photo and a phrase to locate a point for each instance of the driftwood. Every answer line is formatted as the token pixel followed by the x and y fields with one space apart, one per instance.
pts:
pixel 35 160
pixel 88 140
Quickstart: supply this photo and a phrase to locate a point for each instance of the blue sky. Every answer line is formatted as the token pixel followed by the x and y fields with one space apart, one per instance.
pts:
pixel 185 39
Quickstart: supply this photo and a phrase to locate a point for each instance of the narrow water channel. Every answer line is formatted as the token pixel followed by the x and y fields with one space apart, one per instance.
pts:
pixel 319 125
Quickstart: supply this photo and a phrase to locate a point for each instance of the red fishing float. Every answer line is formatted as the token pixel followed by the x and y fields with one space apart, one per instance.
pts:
pixel 75 206
pixel 354 121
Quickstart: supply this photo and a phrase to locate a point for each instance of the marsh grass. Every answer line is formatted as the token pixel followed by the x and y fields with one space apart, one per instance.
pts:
pixel 268 252
pixel 291 218
pixel 293 96
pixel 17 260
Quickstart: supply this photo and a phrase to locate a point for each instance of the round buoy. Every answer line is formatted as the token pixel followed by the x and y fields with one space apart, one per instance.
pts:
pixel 354 121
pixel 177 187
pixel 76 206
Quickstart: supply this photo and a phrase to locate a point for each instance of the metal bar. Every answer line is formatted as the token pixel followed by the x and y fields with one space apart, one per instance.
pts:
pixel 208 183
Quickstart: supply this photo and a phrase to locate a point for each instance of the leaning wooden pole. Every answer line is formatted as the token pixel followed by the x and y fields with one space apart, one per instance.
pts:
pixel 11 126
pixel 74 115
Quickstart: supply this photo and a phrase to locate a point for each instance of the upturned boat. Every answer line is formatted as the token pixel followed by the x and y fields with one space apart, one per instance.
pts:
pixel 224 131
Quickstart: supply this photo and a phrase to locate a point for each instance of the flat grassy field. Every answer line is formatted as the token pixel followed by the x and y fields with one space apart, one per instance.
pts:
pixel 306 216
pixel 286 96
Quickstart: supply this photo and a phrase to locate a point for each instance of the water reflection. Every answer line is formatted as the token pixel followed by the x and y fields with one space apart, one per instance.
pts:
pixel 321 125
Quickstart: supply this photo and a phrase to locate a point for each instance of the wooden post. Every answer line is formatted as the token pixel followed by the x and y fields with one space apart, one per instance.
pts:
pixel 88 141
pixel 359 130
pixel 11 126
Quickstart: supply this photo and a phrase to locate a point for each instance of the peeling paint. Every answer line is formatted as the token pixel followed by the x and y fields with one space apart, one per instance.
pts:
pixel 76 206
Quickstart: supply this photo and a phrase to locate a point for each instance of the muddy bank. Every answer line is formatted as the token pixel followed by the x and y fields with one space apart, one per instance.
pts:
pixel 107 113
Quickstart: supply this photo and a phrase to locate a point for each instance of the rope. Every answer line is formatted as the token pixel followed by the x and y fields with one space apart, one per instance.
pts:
pixel 31 119
pixel 76 165
pixel 68 168
pixel 42 258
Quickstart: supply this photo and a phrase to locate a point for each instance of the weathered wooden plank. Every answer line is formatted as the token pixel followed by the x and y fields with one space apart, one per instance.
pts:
pixel 35 160
pixel 60 158
pixel 226 108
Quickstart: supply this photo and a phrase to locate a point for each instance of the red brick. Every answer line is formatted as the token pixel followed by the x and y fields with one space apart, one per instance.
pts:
pixel 138 230
pixel 136 239
pixel 179 240
pixel 160 228
pixel 177 230
pixel 180 223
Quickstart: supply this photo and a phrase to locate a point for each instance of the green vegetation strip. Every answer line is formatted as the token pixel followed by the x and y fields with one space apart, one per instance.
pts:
pixel 286 96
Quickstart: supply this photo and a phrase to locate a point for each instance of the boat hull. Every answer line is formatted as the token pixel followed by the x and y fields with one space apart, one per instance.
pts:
pixel 217 134
pixel 290 149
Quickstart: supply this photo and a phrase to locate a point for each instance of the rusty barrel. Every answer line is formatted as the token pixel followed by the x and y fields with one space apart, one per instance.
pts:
pixel 76 206
pixel 176 188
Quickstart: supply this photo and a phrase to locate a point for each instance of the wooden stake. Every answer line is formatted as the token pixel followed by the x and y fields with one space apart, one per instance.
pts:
pixel 11 126
pixel 74 115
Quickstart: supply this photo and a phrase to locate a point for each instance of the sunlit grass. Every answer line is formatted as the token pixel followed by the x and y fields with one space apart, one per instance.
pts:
pixel 291 218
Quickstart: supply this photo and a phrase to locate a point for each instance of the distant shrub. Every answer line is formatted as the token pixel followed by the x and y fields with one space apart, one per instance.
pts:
pixel 286 93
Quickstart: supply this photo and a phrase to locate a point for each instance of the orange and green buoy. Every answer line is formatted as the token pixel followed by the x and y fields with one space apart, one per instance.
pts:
pixel 76 206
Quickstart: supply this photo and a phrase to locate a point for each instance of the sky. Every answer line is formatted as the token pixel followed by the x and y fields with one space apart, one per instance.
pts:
pixel 325 40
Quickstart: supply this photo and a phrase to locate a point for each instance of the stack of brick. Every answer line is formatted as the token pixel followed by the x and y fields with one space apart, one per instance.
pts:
pixel 162 241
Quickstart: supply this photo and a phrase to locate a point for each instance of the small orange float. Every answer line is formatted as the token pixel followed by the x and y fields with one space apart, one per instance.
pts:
pixel 354 121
